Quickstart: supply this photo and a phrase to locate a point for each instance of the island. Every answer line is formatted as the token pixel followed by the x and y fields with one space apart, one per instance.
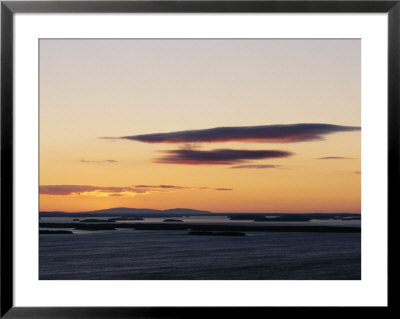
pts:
pixel 111 220
pixel 209 233
pixel 54 232
pixel 286 218
pixel 170 220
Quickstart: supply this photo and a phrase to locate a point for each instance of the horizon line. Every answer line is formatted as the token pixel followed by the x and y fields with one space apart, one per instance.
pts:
pixel 200 210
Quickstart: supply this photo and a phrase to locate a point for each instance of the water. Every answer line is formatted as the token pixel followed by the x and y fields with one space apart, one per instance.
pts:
pixel 164 255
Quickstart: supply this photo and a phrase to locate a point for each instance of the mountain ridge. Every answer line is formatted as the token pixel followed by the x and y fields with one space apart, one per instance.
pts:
pixel 126 212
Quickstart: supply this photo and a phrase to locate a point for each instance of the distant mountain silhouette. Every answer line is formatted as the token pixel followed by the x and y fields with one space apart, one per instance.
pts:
pixel 130 212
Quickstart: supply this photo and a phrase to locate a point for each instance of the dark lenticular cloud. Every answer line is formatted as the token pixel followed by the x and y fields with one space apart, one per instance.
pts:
pixel 283 133
pixel 334 158
pixel 257 166
pixel 218 156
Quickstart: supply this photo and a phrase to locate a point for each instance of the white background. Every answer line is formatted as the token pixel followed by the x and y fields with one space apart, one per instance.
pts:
pixel 370 291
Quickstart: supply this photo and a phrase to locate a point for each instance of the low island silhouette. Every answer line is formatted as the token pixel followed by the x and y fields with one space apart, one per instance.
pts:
pixel 179 219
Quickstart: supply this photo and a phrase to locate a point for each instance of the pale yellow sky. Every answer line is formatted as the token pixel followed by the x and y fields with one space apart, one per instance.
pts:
pixel 111 88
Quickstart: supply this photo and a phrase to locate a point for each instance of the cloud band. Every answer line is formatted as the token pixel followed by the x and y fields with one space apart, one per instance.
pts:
pixel 283 133
pixel 218 156
pixel 102 191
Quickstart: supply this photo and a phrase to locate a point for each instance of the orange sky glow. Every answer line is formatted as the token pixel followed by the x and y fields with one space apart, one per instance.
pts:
pixel 257 125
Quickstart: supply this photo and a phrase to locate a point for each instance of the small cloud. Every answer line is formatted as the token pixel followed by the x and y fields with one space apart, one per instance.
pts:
pixel 99 161
pixel 160 186
pixel 174 187
pixel 282 133
pixel 334 158
pixel 218 156
pixel 257 166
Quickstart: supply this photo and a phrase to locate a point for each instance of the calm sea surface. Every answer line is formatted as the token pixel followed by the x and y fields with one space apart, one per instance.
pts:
pixel 146 255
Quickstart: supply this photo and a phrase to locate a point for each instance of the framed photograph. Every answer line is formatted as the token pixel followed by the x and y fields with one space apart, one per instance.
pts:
pixel 165 159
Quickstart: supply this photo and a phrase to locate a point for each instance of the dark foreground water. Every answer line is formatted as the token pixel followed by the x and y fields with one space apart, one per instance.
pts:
pixel 136 254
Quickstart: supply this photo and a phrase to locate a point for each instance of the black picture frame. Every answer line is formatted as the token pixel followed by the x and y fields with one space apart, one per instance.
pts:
pixel 9 8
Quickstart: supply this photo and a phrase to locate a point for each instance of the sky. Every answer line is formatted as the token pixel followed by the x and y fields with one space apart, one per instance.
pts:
pixel 225 125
